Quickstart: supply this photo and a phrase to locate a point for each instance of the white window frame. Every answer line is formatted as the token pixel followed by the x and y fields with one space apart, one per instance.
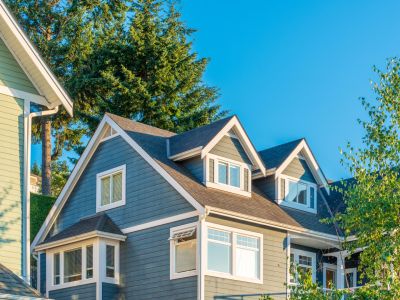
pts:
pixel 173 230
pixel 227 187
pixel 104 174
pixel 330 267
pixel 313 255
pixel 50 285
pixel 284 202
pixel 103 261
pixel 348 271
pixel 234 232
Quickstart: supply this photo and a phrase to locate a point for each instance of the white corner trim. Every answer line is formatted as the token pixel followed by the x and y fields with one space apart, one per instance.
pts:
pixel 29 50
pixel 70 184
pixel 107 173
pixel 248 146
pixel 160 222
pixel 154 164
pixel 310 160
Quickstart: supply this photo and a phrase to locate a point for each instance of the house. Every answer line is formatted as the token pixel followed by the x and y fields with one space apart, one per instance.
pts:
pixel 35 184
pixel 150 214
pixel 26 85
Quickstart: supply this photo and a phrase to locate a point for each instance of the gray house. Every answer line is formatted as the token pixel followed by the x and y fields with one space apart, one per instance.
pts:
pixel 150 214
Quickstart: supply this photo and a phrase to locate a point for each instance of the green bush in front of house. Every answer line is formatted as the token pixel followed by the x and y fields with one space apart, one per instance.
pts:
pixel 40 207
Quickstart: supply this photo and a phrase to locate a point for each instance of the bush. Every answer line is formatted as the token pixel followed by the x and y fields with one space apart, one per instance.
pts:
pixel 40 207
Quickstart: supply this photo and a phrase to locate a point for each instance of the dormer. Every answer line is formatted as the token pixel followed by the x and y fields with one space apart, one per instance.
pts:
pixel 294 176
pixel 220 155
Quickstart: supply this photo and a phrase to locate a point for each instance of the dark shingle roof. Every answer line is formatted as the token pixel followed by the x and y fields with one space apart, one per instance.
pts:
pixel 198 137
pixel 13 285
pixel 99 222
pixel 258 205
pixel 275 156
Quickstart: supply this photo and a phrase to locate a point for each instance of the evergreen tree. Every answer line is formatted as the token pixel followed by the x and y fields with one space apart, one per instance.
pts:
pixel 66 32
pixel 36 169
pixel 151 74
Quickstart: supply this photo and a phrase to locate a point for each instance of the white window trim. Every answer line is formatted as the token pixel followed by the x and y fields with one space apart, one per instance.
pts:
pixel 313 256
pixel 283 202
pixel 326 267
pixel 103 260
pixel 226 187
pixel 354 271
pixel 234 232
pixel 172 274
pixel 101 175
pixel 50 286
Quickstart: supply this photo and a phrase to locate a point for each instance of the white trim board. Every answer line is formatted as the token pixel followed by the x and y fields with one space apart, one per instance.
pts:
pixel 82 163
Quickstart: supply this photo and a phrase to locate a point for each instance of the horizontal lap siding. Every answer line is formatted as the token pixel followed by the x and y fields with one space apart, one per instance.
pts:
pixel 267 186
pixel 195 167
pixel 148 195
pixel 298 168
pixel 274 266
pixel 11 74
pixel 11 180
pixel 87 292
pixel 145 266
pixel 110 291
pixel 230 148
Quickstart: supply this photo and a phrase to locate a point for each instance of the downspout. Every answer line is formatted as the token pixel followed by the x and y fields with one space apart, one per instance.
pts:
pixel 202 246
pixel 27 226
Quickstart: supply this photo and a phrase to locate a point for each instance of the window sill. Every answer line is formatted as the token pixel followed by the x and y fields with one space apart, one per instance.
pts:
pixel 183 275
pixel 297 206
pixel 110 206
pixel 71 284
pixel 232 277
pixel 227 188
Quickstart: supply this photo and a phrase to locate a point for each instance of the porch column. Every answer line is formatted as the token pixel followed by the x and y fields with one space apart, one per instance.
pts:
pixel 340 270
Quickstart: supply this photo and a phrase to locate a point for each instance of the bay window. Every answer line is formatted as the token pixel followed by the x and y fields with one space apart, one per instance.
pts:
pixel 73 265
pixel 234 253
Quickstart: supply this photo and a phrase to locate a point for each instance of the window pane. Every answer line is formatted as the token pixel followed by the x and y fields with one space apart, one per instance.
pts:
pixel 305 260
pixel 57 268
pixel 246 241
pixel 219 257
pixel 302 191
pixel 217 235
pixel 117 187
pixel 292 192
pixel 73 265
pixel 350 280
pixel 312 197
pixel 247 263
pixel 105 190
pixel 234 179
pixel 110 261
pixel 185 255
pixel 330 279
pixel 223 173
pixel 89 262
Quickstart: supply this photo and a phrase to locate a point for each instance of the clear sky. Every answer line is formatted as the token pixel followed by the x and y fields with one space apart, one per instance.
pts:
pixel 292 69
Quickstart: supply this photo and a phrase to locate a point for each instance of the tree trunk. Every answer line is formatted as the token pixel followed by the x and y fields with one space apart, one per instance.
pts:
pixel 46 155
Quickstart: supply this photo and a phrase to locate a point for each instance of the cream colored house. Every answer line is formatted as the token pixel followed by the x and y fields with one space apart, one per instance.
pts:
pixel 24 79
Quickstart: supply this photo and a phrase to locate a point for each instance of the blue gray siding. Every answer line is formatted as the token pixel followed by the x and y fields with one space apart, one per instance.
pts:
pixel 298 168
pixel 111 291
pixel 230 148
pixel 80 292
pixel 145 266
pixel 42 283
pixel 267 186
pixel 195 167
pixel 148 195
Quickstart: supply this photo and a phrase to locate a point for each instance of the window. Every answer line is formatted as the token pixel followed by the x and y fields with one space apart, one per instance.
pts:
pixel 329 276
pixel 183 251
pixel 301 262
pixel 110 261
pixel 111 188
pixel 89 262
pixel 73 265
pixel 351 278
pixel 233 253
pixel 298 193
pixel 229 174
pixel 57 274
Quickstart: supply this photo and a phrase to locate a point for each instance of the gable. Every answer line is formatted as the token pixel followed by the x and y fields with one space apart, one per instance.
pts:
pixel 298 168
pixel 11 73
pixel 231 148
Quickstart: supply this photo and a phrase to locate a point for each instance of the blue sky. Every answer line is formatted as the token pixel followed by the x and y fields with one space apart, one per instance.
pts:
pixel 292 69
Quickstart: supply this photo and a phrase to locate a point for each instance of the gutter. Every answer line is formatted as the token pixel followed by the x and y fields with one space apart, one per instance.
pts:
pixel 27 208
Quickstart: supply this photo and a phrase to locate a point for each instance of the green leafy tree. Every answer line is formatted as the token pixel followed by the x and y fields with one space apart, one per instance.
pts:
pixel 66 32
pixel 373 198
pixel 60 175
pixel 36 169
pixel 151 74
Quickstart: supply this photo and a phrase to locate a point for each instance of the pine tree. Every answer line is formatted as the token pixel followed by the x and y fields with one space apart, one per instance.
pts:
pixel 66 32
pixel 151 74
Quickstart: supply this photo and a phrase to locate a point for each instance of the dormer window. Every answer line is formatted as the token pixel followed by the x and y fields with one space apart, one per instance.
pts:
pixel 298 193
pixel 228 175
